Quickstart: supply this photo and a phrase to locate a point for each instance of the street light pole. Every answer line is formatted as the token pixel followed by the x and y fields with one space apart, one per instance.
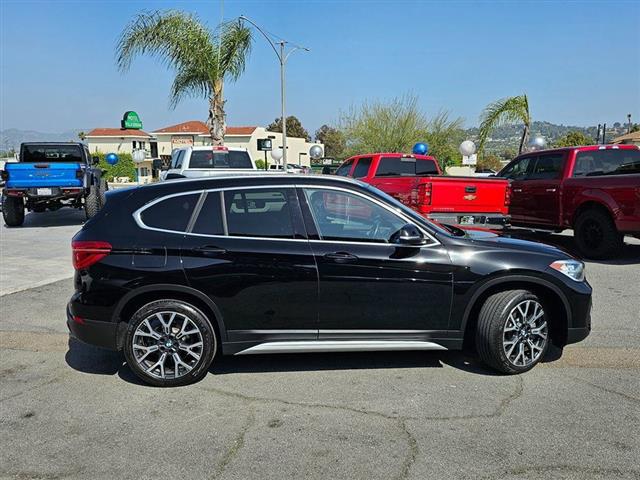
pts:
pixel 282 57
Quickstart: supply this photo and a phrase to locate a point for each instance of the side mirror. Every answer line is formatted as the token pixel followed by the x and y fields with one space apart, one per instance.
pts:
pixel 95 160
pixel 409 235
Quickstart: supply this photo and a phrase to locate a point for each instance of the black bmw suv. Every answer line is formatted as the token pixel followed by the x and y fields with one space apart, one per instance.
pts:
pixel 179 272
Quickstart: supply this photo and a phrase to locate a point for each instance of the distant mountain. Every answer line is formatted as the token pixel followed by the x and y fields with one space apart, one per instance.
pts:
pixel 508 136
pixel 12 137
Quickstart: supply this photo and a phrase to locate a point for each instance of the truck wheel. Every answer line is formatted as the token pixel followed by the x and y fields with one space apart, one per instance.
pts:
pixel 596 235
pixel 513 331
pixel 92 202
pixel 104 187
pixel 13 211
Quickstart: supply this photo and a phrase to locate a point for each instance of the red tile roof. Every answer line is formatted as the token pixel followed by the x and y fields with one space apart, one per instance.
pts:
pixel 116 132
pixel 198 127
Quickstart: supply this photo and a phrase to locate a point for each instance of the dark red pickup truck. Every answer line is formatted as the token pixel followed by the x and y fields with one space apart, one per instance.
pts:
pixel 594 190
pixel 417 181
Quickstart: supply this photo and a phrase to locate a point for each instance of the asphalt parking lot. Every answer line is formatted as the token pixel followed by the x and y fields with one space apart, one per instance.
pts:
pixel 73 411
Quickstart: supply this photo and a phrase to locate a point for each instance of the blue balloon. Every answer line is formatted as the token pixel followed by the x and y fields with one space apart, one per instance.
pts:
pixel 111 158
pixel 420 148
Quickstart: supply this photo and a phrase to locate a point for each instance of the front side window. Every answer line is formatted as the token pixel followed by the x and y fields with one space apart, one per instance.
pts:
pixel 172 213
pixel 517 170
pixel 345 216
pixel 362 168
pixel 259 213
pixel 547 167
pixel 607 162
pixel 219 159
pixel 344 169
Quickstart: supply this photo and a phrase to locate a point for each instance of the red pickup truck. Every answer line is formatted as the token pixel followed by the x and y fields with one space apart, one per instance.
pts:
pixel 594 190
pixel 417 181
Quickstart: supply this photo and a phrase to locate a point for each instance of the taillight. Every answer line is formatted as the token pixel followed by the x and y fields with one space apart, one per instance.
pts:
pixel 86 254
pixel 507 195
pixel 424 194
pixel 79 173
pixel 4 175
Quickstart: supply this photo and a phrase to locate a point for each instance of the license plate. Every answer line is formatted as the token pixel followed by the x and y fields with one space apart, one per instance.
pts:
pixel 467 220
pixel 43 191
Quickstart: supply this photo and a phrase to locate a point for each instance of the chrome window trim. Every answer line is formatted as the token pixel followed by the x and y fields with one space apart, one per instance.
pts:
pixel 137 214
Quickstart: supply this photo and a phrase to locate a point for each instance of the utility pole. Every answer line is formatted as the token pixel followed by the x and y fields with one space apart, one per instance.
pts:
pixel 629 122
pixel 283 56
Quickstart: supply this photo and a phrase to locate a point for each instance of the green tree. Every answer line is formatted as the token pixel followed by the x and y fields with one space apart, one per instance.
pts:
pixel 333 140
pixel 377 126
pixel 635 128
pixel 82 136
pixel 489 161
pixel 444 135
pixel 202 59
pixel 573 139
pixel 125 167
pixel 294 128
pixel 506 110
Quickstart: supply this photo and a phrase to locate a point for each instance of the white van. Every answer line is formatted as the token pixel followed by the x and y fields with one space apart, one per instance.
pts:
pixel 208 161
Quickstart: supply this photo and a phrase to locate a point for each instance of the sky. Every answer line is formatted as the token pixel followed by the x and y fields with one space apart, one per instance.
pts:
pixel 578 61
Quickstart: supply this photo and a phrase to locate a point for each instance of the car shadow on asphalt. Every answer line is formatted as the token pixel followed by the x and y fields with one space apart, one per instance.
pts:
pixel 630 254
pixel 60 218
pixel 93 360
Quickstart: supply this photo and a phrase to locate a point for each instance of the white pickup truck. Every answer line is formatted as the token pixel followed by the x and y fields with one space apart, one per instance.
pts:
pixel 208 161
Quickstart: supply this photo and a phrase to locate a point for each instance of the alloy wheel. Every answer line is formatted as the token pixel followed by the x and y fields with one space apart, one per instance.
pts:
pixel 525 333
pixel 167 345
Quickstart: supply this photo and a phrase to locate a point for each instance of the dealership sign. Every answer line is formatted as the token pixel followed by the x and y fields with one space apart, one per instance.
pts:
pixel 131 120
pixel 181 141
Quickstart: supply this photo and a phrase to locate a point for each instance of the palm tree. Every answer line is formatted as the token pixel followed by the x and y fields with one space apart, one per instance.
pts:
pixel 202 59
pixel 506 110
pixel 82 136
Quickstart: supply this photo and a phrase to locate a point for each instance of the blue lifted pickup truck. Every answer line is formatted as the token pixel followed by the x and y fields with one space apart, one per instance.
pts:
pixel 51 176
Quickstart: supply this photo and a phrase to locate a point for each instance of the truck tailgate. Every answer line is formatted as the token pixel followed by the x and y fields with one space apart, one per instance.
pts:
pixel 45 174
pixel 468 195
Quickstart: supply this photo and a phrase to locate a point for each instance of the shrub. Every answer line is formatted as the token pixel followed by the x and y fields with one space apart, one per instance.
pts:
pixel 125 167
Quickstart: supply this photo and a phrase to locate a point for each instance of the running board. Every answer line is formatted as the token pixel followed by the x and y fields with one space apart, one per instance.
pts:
pixel 339 346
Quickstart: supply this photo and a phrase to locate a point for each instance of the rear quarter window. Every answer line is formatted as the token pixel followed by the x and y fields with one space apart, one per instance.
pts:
pixel 172 213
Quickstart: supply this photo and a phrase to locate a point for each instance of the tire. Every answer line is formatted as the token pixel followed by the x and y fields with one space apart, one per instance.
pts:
pixel 13 211
pixel 146 330
pixel 498 342
pixel 92 202
pixel 104 187
pixel 596 235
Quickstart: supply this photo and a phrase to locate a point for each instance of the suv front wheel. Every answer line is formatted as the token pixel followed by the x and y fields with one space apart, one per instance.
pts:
pixel 513 331
pixel 169 343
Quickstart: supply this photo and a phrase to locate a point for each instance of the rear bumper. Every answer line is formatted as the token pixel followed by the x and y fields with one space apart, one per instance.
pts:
pixel 93 332
pixel 51 192
pixel 489 220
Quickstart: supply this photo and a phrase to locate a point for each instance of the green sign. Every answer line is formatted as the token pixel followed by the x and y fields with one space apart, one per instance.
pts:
pixel 131 120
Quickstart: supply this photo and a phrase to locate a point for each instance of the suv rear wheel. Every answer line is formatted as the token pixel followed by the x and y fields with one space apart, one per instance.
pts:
pixel 13 211
pixel 92 201
pixel 596 235
pixel 169 343
pixel 513 331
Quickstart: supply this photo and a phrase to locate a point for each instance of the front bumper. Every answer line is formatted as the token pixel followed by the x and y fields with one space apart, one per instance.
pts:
pixel 486 220
pixel 94 332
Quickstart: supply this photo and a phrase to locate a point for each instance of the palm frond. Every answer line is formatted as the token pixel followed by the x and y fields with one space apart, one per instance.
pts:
pixel 503 111
pixel 234 45
pixel 190 82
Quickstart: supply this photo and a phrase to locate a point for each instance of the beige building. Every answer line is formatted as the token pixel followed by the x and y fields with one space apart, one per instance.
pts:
pixel 197 133
pixel 628 139
pixel 120 140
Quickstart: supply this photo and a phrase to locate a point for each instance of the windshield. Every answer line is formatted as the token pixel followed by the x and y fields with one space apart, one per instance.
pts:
pixel 417 218
pixel 51 153
pixel 219 159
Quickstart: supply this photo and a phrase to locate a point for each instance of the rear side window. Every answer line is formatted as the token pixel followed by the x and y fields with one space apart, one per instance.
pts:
pixel 547 167
pixel 209 220
pixel 172 213
pixel 405 166
pixel 362 167
pixel 343 170
pixel 606 162
pixel 259 213
pixel 218 159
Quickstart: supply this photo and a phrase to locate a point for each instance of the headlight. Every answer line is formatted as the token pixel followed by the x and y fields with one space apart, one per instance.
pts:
pixel 573 269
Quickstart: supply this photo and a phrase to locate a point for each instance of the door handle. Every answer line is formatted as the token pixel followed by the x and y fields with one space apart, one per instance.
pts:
pixel 550 190
pixel 517 190
pixel 341 257
pixel 210 250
